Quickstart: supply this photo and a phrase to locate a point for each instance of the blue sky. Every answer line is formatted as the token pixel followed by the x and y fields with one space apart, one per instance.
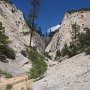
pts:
pixel 51 11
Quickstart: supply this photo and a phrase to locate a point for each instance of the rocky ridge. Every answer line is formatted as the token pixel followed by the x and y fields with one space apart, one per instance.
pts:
pixel 63 36
pixel 70 74
pixel 13 21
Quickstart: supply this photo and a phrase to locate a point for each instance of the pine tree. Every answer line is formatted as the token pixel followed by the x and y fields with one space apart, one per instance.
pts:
pixel 75 32
pixel 33 16
pixel 39 31
pixel 3 37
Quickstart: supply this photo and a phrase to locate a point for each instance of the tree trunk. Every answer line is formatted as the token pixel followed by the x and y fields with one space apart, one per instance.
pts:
pixel 31 38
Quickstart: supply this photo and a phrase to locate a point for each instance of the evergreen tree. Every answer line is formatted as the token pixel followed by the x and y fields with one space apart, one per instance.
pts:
pixel 3 37
pixel 46 34
pixel 39 31
pixel 33 16
pixel 50 33
pixel 65 50
pixel 75 32
pixel 84 38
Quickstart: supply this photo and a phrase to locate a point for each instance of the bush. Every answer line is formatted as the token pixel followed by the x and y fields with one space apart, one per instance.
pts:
pixel 82 49
pixel 13 10
pixel 80 43
pixel 24 53
pixel 10 53
pixel 3 58
pixel 46 54
pixel 4 49
pixel 34 48
pixel 58 54
pixel 7 75
pixel 1 27
pixel 26 33
pixel 33 55
pixel 3 37
pixel 7 51
pixel 87 52
pixel 65 51
pixel 39 66
pixel 9 87
pixel 73 51
pixel 38 69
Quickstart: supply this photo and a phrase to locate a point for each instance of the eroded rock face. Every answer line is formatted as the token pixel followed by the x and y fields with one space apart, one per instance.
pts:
pixel 71 74
pixel 82 18
pixel 13 21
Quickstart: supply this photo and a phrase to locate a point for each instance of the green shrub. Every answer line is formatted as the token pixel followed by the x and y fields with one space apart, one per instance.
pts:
pixel 3 58
pixel 80 42
pixel 38 69
pixel 87 52
pixel 26 33
pixel 13 10
pixel 24 53
pixel 3 38
pixel 58 54
pixel 65 51
pixel 7 75
pixel 33 55
pixel 4 49
pixel 73 51
pixel 46 54
pixel 1 27
pixel 34 48
pixel 7 51
pixel 29 52
pixel 10 53
pixel 82 49
pixel 39 66
pixel 9 87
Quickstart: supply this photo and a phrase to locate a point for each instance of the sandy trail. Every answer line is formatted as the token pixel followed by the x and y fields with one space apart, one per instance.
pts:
pixel 19 83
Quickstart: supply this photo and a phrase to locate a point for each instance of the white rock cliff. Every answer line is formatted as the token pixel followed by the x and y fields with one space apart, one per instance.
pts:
pixel 81 17
pixel 14 23
pixel 72 73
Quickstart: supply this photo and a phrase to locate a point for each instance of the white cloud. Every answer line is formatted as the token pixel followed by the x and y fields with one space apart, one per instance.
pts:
pixel 54 28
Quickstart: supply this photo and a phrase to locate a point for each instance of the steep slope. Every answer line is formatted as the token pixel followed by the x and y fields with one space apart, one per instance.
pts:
pixel 71 74
pixel 81 17
pixel 14 23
